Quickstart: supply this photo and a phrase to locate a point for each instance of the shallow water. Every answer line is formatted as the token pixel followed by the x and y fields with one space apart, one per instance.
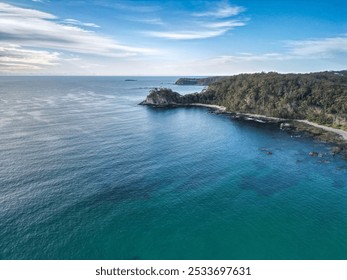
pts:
pixel 86 173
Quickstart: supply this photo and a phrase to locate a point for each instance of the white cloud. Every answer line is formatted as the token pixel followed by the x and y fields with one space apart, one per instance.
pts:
pixel 17 13
pixel 189 35
pixel 32 28
pixel 223 24
pixel 154 21
pixel 129 7
pixel 14 58
pixel 247 63
pixel 296 50
pixel 325 46
pixel 31 40
pixel 215 24
pixel 223 10
pixel 91 65
pixel 249 57
pixel 80 23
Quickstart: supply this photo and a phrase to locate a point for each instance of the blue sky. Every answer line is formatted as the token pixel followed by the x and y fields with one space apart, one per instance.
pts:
pixel 129 37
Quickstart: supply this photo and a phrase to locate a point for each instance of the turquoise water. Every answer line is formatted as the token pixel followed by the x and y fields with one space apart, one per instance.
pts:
pixel 86 173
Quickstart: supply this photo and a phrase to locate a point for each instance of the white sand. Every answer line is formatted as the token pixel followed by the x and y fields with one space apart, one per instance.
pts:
pixel 221 108
pixel 327 128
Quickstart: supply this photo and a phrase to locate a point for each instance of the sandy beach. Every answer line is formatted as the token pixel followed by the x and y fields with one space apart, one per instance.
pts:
pixel 327 128
pixel 221 108
pixel 340 132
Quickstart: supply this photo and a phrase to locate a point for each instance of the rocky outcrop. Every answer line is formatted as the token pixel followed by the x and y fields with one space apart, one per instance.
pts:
pixel 336 150
pixel 287 126
pixel 162 97
pixel 313 154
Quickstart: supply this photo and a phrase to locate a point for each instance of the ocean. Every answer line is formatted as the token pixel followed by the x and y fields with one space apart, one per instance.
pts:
pixel 86 173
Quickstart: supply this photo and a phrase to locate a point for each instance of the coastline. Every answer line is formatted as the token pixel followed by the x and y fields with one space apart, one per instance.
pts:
pixel 262 118
pixel 340 132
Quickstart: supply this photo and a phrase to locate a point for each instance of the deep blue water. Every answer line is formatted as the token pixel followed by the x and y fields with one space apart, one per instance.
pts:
pixel 86 173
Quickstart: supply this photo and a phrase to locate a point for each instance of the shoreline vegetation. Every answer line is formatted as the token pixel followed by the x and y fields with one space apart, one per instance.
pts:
pixel 318 97
pixel 313 104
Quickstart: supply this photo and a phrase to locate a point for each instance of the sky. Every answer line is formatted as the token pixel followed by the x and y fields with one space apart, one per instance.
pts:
pixel 171 38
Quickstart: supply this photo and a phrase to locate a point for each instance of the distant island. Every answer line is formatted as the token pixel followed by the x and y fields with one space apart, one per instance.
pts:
pixel 315 103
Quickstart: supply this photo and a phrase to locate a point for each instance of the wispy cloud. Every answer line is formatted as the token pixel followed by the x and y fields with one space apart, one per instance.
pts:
pixel 80 23
pixel 14 58
pixel 9 11
pixel 32 28
pixel 213 23
pixel 129 6
pixel 222 10
pixel 152 21
pixel 188 35
pixel 295 50
pixel 250 57
pixel 225 24
pixel 325 46
pixel 31 39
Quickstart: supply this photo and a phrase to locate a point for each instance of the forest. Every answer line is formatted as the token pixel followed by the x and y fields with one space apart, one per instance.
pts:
pixel 319 97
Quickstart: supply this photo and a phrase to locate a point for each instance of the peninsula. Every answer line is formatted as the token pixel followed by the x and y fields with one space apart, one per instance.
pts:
pixel 315 103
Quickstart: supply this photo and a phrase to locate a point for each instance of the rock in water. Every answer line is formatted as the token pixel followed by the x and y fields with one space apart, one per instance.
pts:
pixel 336 150
pixel 286 126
